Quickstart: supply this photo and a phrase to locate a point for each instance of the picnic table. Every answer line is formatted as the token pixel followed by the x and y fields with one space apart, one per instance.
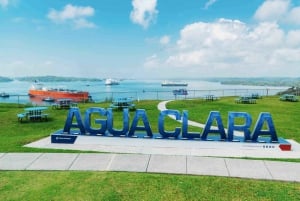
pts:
pixel 245 100
pixel 210 97
pixel 289 97
pixel 33 114
pixel 256 96
pixel 120 103
pixel 64 103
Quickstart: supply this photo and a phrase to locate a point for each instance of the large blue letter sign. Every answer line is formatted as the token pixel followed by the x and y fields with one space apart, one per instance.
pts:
pixel 207 129
pixel 134 126
pixel 185 133
pixel 161 124
pixel 264 125
pixel 102 122
pixel 110 122
pixel 74 112
pixel 245 127
pixel 265 117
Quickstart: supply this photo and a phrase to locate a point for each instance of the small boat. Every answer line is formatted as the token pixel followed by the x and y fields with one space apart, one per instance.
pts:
pixel 37 90
pixel 4 95
pixel 173 84
pixel 48 99
pixel 180 92
pixel 110 81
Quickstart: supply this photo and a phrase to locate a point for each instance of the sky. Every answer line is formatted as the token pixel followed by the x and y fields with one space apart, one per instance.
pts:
pixel 150 38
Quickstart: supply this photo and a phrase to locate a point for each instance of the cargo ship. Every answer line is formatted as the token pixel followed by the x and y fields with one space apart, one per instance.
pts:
pixel 38 91
pixel 173 84
pixel 111 81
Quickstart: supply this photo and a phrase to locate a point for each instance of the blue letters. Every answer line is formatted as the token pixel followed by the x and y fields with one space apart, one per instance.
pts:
pixel 161 123
pixel 134 126
pixel 185 133
pixel 207 129
pixel 245 128
pixel 102 122
pixel 110 123
pixel 69 122
pixel 264 117
pixel 264 121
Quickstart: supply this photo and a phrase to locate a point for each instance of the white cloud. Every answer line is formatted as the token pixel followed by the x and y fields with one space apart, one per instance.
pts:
pixel 152 62
pixel 272 10
pixel 293 17
pixel 209 3
pixel 203 34
pixel 144 12
pixel 4 3
pixel 281 11
pixel 75 14
pixel 83 23
pixel 293 38
pixel 164 40
pixel 232 48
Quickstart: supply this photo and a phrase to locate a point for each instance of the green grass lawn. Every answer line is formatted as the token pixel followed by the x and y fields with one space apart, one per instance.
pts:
pixel 81 185
pixel 73 185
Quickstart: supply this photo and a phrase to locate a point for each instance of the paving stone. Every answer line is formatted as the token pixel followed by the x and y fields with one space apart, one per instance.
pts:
pixel 247 169
pixel 206 166
pixel 167 164
pixel 53 161
pixel 17 161
pixel 285 171
pixel 129 162
pixel 92 162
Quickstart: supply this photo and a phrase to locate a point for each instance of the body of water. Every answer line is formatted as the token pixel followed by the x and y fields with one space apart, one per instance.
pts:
pixel 138 89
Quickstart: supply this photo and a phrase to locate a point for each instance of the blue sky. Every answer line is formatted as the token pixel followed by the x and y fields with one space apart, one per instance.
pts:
pixel 150 38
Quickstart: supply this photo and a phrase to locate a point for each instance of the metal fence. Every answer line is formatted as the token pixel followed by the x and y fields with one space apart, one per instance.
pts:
pixel 152 95
pixel 191 94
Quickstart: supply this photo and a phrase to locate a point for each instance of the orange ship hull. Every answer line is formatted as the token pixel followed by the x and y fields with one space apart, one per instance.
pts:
pixel 77 96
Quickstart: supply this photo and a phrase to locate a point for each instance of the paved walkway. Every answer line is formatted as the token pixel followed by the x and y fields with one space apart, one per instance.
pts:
pixel 187 165
pixel 155 156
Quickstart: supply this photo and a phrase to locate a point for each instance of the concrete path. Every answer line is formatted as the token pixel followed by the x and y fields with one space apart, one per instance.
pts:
pixel 148 163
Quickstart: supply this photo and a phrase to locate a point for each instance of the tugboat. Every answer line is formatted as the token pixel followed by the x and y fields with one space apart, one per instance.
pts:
pixel 180 92
pixel 48 99
pixel 4 95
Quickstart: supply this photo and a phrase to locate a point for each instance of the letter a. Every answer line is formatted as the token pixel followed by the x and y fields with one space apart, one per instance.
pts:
pixel 134 126
pixel 214 115
pixel 264 117
pixel 68 125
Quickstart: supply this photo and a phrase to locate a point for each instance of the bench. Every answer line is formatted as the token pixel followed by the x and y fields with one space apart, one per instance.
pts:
pixel 21 116
pixel 64 104
pixel 245 100
pixel 45 116
pixel 38 117
pixel 129 106
pixel 210 98
pixel 289 97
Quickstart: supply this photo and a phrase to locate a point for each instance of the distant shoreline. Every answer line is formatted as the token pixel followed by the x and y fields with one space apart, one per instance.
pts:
pixel 255 81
